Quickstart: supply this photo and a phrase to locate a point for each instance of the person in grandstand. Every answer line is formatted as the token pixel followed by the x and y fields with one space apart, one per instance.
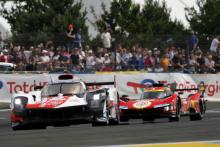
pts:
pixel 179 63
pixel 78 39
pixel 5 57
pixel 217 61
pixel 192 63
pixel 99 62
pixel 201 68
pixel 165 62
pixel 74 59
pixel 106 39
pixel 90 61
pixel 210 64
pixel 215 44
pixel 71 36
pixel 193 42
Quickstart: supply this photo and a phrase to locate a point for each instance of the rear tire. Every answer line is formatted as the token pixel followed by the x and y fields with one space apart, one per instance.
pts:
pixel 200 114
pixel 98 123
pixel 95 123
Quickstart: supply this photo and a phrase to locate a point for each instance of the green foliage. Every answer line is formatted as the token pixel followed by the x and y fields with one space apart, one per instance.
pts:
pixel 149 25
pixel 35 21
pixel 205 21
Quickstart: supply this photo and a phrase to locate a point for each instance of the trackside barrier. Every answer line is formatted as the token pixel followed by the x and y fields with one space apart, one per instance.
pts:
pixel 127 83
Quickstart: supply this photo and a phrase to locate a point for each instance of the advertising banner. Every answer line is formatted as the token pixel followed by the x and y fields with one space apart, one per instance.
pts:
pixel 132 84
pixel 212 84
pixel 127 84
pixel 10 83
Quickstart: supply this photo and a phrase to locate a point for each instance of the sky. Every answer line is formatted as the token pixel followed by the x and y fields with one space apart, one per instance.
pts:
pixel 177 10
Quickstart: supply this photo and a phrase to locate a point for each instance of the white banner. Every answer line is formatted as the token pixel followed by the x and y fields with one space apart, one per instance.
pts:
pixel 128 84
pixel 10 84
pixel 132 84
pixel 212 82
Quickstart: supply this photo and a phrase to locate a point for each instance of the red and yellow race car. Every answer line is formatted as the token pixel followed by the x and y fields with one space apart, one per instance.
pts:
pixel 159 101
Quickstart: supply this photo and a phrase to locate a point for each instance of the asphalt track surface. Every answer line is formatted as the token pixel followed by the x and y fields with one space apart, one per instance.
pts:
pixel 136 132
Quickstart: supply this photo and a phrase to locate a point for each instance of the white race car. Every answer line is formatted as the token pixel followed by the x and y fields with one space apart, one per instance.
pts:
pixel 65 102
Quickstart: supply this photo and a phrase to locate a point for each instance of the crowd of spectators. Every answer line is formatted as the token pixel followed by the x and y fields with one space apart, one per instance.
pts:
pixel 47 57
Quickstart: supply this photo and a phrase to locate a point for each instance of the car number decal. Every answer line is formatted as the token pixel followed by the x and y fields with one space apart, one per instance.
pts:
pixel 141 104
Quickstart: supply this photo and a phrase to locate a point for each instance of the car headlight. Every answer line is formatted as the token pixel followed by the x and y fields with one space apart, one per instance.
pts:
pixel 167 108
pixel 18 101
pixel 19 104
pixel 161 105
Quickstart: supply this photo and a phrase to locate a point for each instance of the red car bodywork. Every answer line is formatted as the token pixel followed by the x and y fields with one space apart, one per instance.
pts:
pixel 171 106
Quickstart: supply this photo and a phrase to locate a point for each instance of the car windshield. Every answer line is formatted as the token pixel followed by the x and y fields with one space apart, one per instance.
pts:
pixel 64 88
pixel 153 95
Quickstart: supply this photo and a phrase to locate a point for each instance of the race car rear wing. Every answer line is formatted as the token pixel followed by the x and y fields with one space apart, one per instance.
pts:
pixel 100 83
pixel 186 89
pixel 97 86
pixel 200 88
pixel 70 77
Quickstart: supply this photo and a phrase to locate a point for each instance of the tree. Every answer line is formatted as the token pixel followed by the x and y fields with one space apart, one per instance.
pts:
pixel 35 21
pixel 147 25
pixel 205 21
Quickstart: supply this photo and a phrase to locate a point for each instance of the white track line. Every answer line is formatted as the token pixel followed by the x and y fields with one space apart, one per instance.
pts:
pixel 213 111
pixel 5 110
pixel 131 145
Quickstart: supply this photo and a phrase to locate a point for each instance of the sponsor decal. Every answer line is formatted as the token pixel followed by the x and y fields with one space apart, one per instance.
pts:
pixel 14 87
pixel 141 104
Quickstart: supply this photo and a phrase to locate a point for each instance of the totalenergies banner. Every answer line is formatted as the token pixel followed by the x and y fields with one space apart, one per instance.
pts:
pixel 212 84
pixel 127 83
pixel 12 83
pixel 132 85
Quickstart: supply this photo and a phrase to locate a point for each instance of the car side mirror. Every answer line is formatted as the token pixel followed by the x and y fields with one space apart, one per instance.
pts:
pixel 124 96
pixel 80 95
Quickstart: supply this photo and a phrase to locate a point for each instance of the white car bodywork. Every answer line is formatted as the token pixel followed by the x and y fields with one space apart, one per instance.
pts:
pixel 80 106
pixel 34 97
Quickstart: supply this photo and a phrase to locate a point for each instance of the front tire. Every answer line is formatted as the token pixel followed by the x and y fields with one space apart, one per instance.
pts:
pixel 95 122
pixel 176 118
pixel 148 119
pixel 124 119
pixel 17 127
